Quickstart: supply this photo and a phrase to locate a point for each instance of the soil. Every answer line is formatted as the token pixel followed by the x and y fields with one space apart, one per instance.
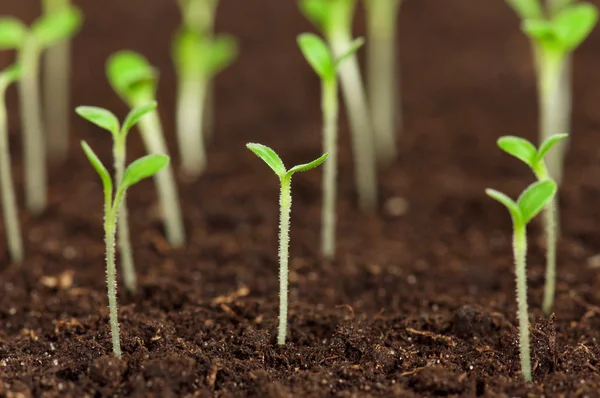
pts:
pixel 420 300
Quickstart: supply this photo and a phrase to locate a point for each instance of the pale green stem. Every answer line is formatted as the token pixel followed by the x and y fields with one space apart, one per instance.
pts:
pixel 152 135
pixel 34 152
pixel 123 235
pixel 360 123
pixel 285 207
pixel 208 113
pixel 330 120
pixel 111 279
pixel 382 69
pixel 9 204
pixel 190 108
pixel 57 72
pixel 520 252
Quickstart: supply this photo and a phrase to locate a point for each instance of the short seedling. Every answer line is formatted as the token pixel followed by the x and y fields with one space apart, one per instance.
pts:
pixel 138 170
pixel 334 19
pixel 198 58
pixel 382 70
pixel 529 204
pixel 108 121
pixel 319 56
pixel 285 202
pixel 534 158
pixel 57 73
pixel 44 32
pixel 9 204
pixel 135 81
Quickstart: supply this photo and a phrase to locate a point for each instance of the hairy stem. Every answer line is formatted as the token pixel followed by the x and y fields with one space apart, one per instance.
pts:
pixel 329 105
pixel 382 68
pixel 34 152
pixel 111 279
pixel 190 108
pixel 285 206
pixel 520 253
pixel 9 204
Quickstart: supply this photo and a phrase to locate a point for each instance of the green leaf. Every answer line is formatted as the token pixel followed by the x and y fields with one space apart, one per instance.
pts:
pixel 57 26
pixel 539 29
pixel 100 117
pixel 574 23
pixel 526 8
pixel 97 164
pixel 354 47
pixel 269 157
pixel 143 167
pixel 129 73
pixel 548 144
pixel 188 54
pixel 136 114
pixel 519 148
pixel 318 55
pixel 316 11
pixel 222 51
pixel 12 33
pixel 535 198
pixel 10 74
pixel 510 204
pixel 308 166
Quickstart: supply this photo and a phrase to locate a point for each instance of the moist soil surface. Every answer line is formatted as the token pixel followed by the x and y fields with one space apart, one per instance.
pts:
pixel 420 299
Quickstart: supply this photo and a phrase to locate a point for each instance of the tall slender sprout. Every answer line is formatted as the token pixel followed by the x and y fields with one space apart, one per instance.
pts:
pixel 57 73
pixel 321 59
pixel 529 204
pixel 534 158
pixel 285 207
pixel 108 121
pixel 382 70
pixel 30 43
pixel 135 81
pixel 142 168
pixel 198 57
pixel 334 19
pixel 9 204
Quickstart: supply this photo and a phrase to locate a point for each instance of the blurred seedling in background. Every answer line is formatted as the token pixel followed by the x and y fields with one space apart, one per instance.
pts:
pixel 198 58
pixel 321 59
pixel 45 32
pixel 534 158
pixel 108 121
pixel 135 81
pixel 144 167
pixel 10 213
pixel 527 206
pixel 334 19
pixel 285 202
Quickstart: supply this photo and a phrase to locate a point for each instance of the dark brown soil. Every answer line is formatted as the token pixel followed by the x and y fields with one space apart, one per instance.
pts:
pixel 416 305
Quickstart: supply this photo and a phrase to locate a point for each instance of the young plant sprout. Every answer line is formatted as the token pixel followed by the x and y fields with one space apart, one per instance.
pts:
pixel 285 206
pixel 382 68
pixel 9 204
pixel 534 158
pixel 135 81
pixel 142 168
pixel 529 204
pixel 198 58
pixel 334 19
pixel 57 72
pixel 108 121
pixel 323 62
pixel 43 33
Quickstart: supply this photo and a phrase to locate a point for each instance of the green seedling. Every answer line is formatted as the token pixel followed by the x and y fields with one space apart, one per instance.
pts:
pixel 334 19
pixel 108 121
pixel 198 58
pixel 382 71
pixel 9 203
pixel 285 203
pixel 144 167
pixel 321 59
pixel 534 158
pixel 529 204
pixel 45 32
pixel 135 81
pixel 57 72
